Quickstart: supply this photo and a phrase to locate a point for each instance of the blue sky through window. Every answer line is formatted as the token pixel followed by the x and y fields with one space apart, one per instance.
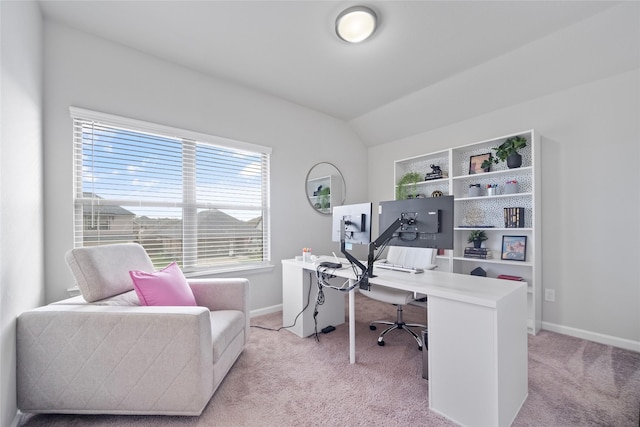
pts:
pixel 128 165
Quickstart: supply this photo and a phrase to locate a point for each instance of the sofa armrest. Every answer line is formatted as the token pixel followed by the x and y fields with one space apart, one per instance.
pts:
pixel 223 294
pixel 123 360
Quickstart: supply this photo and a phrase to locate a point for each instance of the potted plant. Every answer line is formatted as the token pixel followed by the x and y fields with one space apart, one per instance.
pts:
pixel 508 151
pixel 477 237
pixel 407 185
pixel 325 197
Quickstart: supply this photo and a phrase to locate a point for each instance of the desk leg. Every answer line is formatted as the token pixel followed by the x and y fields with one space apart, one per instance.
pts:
pixel 352 323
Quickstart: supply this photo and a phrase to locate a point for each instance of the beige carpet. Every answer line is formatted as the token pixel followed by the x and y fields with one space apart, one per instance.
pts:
pixel 283 380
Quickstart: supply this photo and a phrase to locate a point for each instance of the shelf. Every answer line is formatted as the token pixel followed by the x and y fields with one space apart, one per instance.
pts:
pixel 524 170
pixel 431 181
pixel 499 196
pixel 488 210
pixel 494 261
pixel 334 183
pixel 501 229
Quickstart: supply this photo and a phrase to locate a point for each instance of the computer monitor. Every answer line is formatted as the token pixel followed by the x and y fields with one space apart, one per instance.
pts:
pixel 351 224
pixel 421 222
pixel 354 221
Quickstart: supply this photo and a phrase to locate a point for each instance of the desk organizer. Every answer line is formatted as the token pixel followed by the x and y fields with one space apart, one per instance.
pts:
pixel 511 188
pixel 474 190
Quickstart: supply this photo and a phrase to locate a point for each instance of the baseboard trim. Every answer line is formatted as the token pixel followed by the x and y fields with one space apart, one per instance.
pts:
pixel 593 336
pixel 266 310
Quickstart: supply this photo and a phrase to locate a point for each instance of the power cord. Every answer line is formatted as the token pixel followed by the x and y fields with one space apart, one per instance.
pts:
pixel 295 319
pixel 320 280
pixel 323 274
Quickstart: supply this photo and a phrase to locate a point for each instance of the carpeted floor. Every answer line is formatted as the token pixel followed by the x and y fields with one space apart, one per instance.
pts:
pixel 283 380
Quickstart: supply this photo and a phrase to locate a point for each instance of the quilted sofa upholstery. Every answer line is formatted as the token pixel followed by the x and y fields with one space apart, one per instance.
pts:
pixel 104 353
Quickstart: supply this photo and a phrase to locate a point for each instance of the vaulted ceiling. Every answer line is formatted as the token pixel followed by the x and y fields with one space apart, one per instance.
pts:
pixel 289 49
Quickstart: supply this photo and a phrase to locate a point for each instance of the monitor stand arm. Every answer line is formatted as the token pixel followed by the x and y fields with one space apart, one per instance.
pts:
pixel 383 239
pixel 346 253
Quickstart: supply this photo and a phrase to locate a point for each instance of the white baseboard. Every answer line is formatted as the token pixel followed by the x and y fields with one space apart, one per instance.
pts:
pixel 561 329
pixel 266 310
pixel 593 336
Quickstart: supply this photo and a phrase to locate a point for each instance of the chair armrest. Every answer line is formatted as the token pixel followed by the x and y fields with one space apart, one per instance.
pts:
pixel 114 359
pixel 223 294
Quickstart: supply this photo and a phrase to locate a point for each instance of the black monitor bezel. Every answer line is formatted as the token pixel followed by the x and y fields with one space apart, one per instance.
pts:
pixel 425 207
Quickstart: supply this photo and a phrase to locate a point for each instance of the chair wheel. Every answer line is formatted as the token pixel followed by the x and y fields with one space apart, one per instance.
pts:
pixel 372 327
pixel 381 343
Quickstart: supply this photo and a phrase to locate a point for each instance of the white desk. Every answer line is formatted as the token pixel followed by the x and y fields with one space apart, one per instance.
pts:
pixel 299 288
pixel 477 341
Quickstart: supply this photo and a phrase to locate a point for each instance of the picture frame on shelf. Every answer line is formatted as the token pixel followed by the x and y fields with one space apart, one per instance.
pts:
pixel 514 248
pixel 475 163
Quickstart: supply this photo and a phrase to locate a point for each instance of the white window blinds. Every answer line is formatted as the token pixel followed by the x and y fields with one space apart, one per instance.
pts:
pixel 200 200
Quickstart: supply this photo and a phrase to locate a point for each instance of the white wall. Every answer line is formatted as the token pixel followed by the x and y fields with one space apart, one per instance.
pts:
pixel 88 72
pixel 21 235
pixel 590 199
pixel 590 128
pixel 601 45
pixel 590 213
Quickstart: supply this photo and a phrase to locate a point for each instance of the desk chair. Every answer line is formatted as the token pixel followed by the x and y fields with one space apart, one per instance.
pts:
pixel 406 256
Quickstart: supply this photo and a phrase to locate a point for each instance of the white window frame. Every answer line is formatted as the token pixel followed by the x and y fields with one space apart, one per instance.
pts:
pixel 189 139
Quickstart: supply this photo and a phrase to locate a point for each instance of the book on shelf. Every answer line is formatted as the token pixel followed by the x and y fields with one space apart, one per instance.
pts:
pixel 478 253
pixel 435 175
pixel 476 250
pixel 509 277
pixel 478 256
pixel 514 217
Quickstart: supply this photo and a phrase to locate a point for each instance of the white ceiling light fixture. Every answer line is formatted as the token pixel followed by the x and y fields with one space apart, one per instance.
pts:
pixel 356 24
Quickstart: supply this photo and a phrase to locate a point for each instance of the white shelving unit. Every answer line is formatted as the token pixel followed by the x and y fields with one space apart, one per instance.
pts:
pixel 325 203
pixel 488 210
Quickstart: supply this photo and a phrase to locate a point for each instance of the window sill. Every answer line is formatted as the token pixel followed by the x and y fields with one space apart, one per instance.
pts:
pixel 245 269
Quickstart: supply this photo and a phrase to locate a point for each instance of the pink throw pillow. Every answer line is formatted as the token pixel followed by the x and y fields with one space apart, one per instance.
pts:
pixel 165 287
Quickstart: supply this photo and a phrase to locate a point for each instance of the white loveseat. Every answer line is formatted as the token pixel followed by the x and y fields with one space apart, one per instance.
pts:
pixel 103 352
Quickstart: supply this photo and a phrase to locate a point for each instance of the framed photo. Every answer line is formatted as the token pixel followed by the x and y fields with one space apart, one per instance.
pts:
pixel 475 163
pixel 514 248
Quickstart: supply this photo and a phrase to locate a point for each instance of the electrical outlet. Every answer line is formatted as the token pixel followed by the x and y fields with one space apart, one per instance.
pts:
pixel 550 295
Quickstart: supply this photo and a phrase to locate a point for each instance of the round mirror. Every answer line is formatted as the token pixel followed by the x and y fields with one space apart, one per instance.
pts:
pixel 325 187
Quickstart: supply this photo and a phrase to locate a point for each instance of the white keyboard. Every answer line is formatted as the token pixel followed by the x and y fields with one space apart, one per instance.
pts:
pixel 394 267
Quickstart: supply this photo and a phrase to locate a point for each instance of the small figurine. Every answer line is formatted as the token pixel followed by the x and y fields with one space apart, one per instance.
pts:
pixel 436 173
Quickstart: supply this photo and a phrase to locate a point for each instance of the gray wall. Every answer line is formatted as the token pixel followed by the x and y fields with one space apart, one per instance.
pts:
pixel 590 199
pixel 88 72
pixel 590 128
pixel 21 235
pixel 590 153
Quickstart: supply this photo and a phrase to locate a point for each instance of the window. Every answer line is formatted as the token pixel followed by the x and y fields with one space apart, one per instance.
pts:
pixel 200 200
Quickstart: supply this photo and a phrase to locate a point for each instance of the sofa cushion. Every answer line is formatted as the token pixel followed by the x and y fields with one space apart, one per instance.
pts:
pixel 103 271
pixel 225 326
pixel 165 287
